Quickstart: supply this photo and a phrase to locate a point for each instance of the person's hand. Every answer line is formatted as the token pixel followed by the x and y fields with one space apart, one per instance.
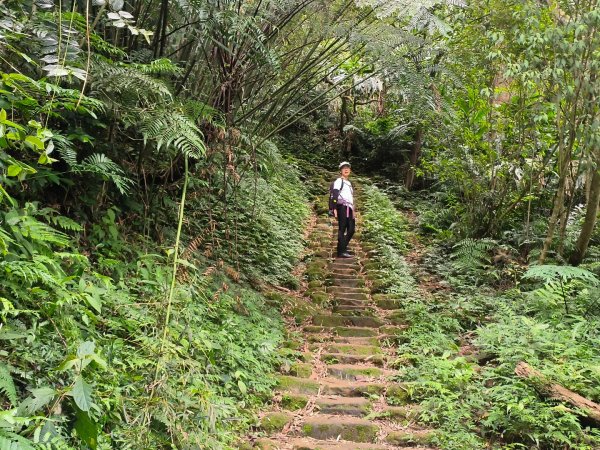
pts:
pixel 335 213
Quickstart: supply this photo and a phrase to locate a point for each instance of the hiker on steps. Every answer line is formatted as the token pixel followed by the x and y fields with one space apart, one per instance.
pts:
pixel 341 203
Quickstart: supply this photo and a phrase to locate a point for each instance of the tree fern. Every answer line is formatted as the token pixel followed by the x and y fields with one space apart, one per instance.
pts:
pixel 7 385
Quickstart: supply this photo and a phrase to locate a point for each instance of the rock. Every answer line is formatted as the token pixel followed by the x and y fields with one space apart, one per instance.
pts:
pixel 352 388
pixel 355 331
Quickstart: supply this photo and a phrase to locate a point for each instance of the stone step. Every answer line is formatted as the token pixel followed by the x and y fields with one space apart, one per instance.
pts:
pixel 353 282
pixel 344 358
pixel 354 349
pixel 405 438
pixel 312 444
pixel 349 406
pixel 337 320
pixel 338 290
pixel 356 331
pixel 356 372
pixel 336 427
pixel 344 271
pixel 343 276
pixel 345 311
pixel 347 388
pixel 348 295
pixel 296 385
pixel 356 340
pixel 341 264
pixel 350 302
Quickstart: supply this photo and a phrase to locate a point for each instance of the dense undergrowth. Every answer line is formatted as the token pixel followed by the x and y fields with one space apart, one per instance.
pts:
pixel 465 338
pixel 88 360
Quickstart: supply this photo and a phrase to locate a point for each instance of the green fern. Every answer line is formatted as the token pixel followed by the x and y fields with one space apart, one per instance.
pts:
pixel 174 129
pixel 551 273
pixel 12 441
pixel 472 254
pixel 7 385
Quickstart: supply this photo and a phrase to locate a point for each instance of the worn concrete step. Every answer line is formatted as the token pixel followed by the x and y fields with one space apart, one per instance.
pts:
pixel 349 406
pixel 356 331
pixel 338 290
pixel 348 295
pixel 344 358
pixel 363 312
pixel 354 349
pixel 344 276
pixel 337 320
pixel 296 385
pixel 313 444
pixel 356 340
pixel 405 438
pixel 352 282
pixel 336 427
pixel 349 388
pixel 356 372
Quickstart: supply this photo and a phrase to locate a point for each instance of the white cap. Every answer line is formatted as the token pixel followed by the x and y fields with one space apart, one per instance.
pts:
pixel 344 163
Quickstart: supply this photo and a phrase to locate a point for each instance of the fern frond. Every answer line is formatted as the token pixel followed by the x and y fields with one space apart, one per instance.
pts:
pixel 12 441
pixel 102 165
pixel 170 128
pixel 472 254
pixel 40 232
pixel 162 66
pixel 7 385
pixel 552 273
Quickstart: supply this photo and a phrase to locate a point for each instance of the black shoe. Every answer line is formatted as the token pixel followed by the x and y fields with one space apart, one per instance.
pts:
pixel 345 255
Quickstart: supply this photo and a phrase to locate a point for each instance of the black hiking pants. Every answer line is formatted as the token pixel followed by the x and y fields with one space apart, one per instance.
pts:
pixel 346 226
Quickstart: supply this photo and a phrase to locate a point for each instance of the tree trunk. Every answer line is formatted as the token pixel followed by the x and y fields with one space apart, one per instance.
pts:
pixel 591 214
pixel 558 392
pixel 414 158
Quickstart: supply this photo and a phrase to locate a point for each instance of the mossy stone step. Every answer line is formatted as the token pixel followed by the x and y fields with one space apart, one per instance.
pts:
pixel 397 394
pixel 344 358
pixel 274 422
pixel 341 295
pixel 355 331
pixel 298 369
pixel 337 320
pixel 356 340
pixel 311 444
pixel 296 385
pixel 348 406
pixel 398 318
pixel 355 372
pixel 388 303
pixel 350 302
pixel 336 427
pixel 362 312
pixel 293 402
pixel 408 412
pixel 346 388
pixel 410 437
pixel 354 349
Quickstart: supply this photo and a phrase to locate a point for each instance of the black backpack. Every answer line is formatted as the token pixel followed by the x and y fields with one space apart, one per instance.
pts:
pixel 333 196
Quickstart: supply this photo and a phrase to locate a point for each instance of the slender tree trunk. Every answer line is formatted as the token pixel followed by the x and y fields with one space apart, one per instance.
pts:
pixel 414 158
pixel 589 222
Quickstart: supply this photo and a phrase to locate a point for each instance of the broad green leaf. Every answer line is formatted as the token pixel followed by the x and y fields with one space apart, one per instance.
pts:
pixel 82 394
pixel 35 142
pixel 86 428
pixel 13 170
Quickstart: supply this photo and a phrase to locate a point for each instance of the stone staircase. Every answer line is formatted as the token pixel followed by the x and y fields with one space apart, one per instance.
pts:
pixel 339 395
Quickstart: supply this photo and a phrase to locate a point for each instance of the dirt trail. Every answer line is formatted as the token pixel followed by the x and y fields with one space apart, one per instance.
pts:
pixel 338 395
